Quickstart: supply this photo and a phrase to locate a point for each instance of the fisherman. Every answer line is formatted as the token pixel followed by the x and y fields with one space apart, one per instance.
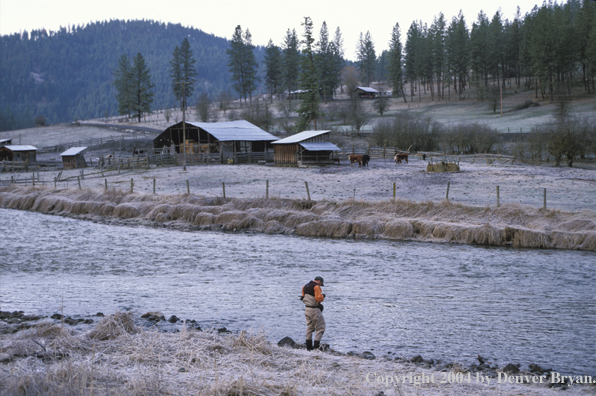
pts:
pixel 315 323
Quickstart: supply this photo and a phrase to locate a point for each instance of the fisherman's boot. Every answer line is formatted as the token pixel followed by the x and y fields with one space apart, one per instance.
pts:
pixel 317 344
pixel 309 345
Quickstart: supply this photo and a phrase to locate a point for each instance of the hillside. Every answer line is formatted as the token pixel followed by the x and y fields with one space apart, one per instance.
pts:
pixel 67 75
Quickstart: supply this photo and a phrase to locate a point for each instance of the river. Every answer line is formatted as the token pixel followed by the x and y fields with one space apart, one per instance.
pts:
pixel 443 301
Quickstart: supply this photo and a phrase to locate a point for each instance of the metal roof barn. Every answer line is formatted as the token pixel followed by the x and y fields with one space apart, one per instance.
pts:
pixel 73 158
pixel 237 141
pixel 24 153
pixel 4 142
pixel 306 148
pixel 366 92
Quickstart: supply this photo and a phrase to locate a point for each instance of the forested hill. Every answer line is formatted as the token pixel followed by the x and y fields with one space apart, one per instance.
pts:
pixel 67 75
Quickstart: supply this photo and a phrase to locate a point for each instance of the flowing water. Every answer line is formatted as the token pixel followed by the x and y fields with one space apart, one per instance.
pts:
pixel 448 302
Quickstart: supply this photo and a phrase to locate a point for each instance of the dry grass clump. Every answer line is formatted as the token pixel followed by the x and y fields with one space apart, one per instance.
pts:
pixel 113 326
pixel 367 228
pixel 398 229
pixel 333 228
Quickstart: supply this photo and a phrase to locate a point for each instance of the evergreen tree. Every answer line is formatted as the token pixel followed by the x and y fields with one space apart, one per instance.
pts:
pixel 367 58
pixel 458 52
pixel 438 51
pixel 273 68
pixel 413 56
pixel 123 84
pixel 479 49
pixel 183 72
pixel 250 65
pixel 395 63
pixel 309 80
pixel 325 63
pixel 291 58
pixel 337 50
pixel 236 62
pixel 142 87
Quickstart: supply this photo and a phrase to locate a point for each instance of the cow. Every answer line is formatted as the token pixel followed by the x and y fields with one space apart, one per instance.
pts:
pixel 365 159
pixel 5 154
pixel 355 158
pixel 401 156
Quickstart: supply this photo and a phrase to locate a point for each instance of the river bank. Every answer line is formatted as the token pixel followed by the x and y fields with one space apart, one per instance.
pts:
pixel 506 225
pixel 120 352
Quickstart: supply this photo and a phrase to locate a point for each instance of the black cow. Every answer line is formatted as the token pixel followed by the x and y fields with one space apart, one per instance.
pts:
pixel 365 159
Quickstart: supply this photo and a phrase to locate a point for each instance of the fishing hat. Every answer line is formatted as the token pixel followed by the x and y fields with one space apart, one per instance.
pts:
pixel 320 278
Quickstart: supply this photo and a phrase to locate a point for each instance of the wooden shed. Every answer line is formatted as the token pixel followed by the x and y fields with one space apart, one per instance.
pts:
pixel 5 142
pixel 306 148
pixel 23 153
pixel 73 158
pixel 239 141
pixel 366 92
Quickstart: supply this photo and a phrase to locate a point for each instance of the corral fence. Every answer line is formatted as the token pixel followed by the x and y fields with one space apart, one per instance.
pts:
pixel 91 142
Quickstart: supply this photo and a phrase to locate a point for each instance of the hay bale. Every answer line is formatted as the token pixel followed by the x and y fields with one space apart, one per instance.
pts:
pixel 326 228
pixel 398 229
pixel 442 167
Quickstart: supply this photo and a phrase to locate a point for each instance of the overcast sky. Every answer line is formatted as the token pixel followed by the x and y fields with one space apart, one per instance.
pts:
pixel 265 19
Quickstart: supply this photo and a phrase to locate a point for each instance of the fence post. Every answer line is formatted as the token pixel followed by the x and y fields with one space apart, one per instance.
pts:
pixel 224 188
pixel 545 199
pixel 132 183
pixel 447 196
pixel 153 186
pixel 187 187
pixel 267 190
pixel 394 188
pixel 307 192
pixel 106 182
pixel 79 181
pixel 33 178
pixel 498 198
pixel 54 182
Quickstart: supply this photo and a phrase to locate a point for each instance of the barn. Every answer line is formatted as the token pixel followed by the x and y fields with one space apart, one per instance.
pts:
pixel 366 92
pixel 23 153
pixel 306 148
pixel 73 158
pixel 239 141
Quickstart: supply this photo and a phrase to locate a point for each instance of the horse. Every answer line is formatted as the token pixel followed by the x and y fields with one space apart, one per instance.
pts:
pixel 365 159
pixel 355 158
pixel 401 156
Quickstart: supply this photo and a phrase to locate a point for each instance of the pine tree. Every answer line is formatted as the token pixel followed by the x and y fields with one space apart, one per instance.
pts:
pixel 458 52
pixel 236 62
pixel 142 87
pixel 325 63
pixel 291 58
pixel 183 72
pixel 337 49
pixel 273 70
pixel 123 84
pixel 438 51
pixel 367 58
pixel 479 49
pixel 309 80
pixel 413 56
pixel 250 65
pixel 395 63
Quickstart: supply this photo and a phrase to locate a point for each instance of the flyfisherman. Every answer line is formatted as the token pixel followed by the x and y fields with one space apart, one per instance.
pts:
pixel 312 297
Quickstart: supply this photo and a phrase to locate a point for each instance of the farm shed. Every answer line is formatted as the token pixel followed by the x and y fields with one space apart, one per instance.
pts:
pixel 5 142
pixel 73 158
pixel 23 153
pixel 239 141
pixel 366 92
pixel 306 148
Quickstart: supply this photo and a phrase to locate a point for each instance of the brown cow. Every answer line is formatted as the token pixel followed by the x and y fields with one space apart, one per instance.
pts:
pixel 401 156
pixel 355 158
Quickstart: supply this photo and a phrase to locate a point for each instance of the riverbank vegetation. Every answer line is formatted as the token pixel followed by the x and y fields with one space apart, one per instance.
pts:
pixel 507 225
pixel 116 356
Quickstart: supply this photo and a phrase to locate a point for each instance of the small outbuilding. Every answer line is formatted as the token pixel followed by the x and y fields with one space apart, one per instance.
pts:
pixel 73 158
pixel 239 141
pixel 23 153
pixel 306 148
pixel 366 92
pixel 5 142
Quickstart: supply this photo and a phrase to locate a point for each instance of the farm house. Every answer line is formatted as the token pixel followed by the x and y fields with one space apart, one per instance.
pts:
pixel 237 141
pixel 306 148
pixel 73 158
